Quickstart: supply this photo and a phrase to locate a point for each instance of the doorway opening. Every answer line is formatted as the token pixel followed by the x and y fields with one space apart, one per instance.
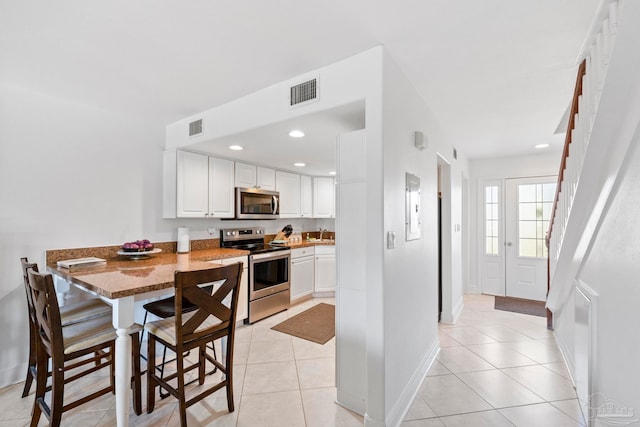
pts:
pixel 445 297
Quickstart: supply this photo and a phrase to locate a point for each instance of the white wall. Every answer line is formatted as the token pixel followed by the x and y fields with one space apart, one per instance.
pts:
pixel 71 175
pixel 542 164
pixel 410 293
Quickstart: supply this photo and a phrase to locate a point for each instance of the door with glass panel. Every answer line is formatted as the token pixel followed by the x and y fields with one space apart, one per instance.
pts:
pixel 492 245
pixel 528 203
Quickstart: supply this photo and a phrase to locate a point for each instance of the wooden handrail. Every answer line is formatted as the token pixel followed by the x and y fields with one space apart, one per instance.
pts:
pixel 563 165
pixel 567 141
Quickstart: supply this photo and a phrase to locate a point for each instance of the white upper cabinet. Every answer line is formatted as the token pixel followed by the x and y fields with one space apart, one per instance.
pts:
pixel 306 196
pixel 252 176
pixel 245 175
pixel 221 194
pixel 204 186
pixel 192 185
pixel 324 197
pixel 266 178
pixel 288 185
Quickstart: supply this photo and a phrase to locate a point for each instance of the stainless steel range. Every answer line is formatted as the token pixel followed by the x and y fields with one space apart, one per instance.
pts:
pixel 268 270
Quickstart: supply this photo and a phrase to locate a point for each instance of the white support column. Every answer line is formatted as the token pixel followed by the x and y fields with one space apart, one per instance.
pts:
pixel 123 311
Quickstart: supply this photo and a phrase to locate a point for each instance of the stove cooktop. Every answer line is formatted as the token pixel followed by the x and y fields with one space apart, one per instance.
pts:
pixel 257 248
pixel 249 239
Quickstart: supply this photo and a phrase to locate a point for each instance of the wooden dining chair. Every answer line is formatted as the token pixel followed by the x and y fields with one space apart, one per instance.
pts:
pixel 214 318
pixel 78 349
pixel 69 314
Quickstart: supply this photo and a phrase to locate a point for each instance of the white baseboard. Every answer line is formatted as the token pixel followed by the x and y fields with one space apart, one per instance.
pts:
pixel 453 317
pixel 351 402
pixel 402 405
pixel 13 375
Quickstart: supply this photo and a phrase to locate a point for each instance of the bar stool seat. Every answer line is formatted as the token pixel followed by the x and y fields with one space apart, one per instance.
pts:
pixel 84 310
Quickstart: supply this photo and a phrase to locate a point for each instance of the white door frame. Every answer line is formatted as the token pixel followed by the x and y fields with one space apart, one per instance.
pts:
pixel 444 186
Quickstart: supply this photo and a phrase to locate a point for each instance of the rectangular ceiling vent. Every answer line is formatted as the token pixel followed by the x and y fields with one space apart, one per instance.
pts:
pixel 304 93
pixel 195 128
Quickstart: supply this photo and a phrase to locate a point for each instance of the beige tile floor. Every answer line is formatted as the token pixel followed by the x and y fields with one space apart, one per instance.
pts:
pixel 495 368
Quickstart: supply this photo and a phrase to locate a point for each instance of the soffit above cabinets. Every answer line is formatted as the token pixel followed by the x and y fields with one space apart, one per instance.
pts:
pixel 272 146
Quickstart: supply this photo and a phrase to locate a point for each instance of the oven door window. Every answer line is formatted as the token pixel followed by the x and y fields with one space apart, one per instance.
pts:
pixel 270 273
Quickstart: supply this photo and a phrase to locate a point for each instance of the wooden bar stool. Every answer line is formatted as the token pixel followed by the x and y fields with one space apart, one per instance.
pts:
pixel 165 308
pixel 69 314
pixel 213 318
pixel 82 348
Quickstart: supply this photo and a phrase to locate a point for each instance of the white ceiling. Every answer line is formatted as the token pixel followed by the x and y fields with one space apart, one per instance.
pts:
pixel 497 74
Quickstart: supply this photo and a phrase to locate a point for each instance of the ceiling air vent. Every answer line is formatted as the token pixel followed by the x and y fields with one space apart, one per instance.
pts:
pixel 195 128
pixel 304 93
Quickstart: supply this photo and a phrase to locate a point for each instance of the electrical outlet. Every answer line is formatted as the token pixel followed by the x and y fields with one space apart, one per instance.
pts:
pixel 211 231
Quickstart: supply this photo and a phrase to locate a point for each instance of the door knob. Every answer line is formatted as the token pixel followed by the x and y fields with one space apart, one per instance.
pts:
pixel 508 243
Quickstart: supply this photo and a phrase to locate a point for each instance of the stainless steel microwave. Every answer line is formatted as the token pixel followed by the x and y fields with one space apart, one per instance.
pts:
pixel 254 203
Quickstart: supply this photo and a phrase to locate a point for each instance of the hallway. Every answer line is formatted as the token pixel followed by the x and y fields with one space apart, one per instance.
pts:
pixel 495 368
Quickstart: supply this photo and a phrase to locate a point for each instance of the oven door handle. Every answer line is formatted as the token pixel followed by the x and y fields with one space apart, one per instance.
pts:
pixel 274 205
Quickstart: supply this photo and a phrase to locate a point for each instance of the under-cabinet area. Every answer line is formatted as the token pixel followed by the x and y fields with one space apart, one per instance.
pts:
pixel 197 185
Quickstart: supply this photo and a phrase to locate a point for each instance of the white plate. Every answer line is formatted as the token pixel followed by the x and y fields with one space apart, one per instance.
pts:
pixel 140 254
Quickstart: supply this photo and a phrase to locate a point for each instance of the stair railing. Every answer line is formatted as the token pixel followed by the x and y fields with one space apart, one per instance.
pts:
pixel 592 71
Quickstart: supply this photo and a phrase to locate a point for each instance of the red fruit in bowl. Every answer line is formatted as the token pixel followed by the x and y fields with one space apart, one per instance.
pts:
pixel 148 246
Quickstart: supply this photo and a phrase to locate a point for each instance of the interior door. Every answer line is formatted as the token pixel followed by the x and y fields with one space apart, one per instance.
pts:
pixel 528 203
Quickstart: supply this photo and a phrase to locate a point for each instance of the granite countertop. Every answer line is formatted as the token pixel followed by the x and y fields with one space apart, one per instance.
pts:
pixel 124 276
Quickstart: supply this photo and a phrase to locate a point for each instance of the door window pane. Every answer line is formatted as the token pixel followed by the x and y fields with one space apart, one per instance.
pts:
pixel 491 229
pixel 534 209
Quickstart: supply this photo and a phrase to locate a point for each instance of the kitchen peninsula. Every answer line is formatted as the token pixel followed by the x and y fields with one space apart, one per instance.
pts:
pixel 123 280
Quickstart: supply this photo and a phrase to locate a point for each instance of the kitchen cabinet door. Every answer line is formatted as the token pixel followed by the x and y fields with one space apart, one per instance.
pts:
pixel 243 296
pixel 323 197
pixel 306 196
pixel 266 178
pixel 288 185
pixel 245 175
pixel 221 188
pixel 325 266
pixel 192 185
pixel 302 277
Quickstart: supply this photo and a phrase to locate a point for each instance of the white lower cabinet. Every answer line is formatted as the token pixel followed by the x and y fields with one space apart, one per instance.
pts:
pixel 302 272
pixel 243 296
pixel 325 269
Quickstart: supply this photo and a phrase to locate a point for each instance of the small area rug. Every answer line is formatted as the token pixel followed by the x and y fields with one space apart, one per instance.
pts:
pixel 317 324
pixel 518 305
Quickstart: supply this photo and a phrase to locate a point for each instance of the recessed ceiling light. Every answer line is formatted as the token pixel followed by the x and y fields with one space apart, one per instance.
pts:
pixel 296 134
pixel 236 147
pixel 542 145
pixel 299 164
pixel 332 173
